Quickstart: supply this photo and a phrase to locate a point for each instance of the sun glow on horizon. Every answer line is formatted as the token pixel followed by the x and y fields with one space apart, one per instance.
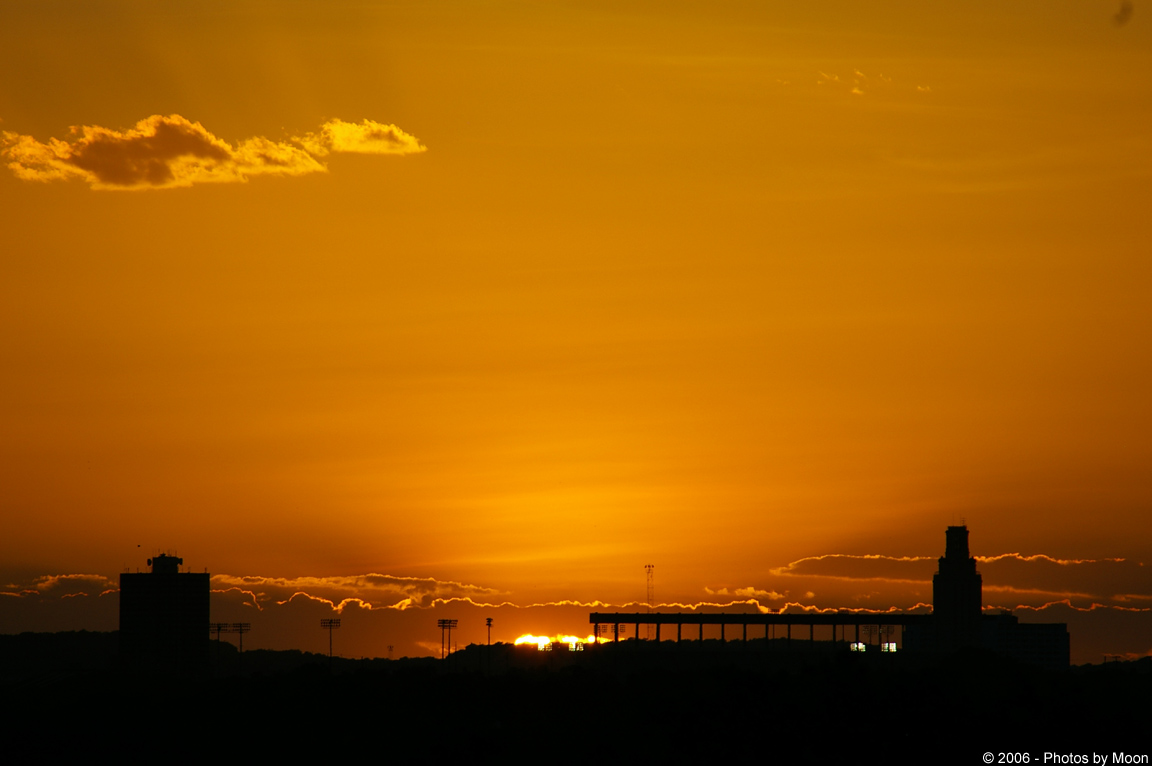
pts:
pixel 543 643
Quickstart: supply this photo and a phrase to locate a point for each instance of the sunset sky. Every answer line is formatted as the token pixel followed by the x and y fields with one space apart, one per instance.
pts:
pixel 500 301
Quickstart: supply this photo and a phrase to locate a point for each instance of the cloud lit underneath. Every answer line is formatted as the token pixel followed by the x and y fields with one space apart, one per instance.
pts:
pixel 384 610
pixel 172 151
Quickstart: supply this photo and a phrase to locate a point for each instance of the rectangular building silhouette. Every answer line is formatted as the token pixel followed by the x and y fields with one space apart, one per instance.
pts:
pixel 164 618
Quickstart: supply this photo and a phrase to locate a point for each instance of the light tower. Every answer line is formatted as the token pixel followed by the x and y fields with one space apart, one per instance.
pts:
pixel 242 628
pixel 446 625
pixel 218 628
pixel 330 625
pixel 229 627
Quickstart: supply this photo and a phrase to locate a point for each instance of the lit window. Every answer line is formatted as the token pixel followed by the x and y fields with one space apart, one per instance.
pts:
pixel 858 646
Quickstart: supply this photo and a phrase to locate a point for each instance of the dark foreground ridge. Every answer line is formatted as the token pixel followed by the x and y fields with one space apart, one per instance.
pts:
pixel 693 703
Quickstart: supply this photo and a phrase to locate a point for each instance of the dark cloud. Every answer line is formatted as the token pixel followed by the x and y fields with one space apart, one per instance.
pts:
pixel 1098 579
pixel 147 155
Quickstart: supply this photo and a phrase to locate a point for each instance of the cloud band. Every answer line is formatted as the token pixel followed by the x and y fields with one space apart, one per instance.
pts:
pixel 172 151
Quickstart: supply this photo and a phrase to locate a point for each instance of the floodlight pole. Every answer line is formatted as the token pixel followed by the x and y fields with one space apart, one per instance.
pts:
pixel 649 570
pixel 488 650
pixel 446 625
pixel 241 628
pixel 217 628
pixel 330 625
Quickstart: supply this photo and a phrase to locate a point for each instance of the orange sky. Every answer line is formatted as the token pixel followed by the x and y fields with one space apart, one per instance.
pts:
pixel 717 287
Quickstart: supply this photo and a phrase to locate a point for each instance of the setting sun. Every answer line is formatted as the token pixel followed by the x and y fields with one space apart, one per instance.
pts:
pixel 544 643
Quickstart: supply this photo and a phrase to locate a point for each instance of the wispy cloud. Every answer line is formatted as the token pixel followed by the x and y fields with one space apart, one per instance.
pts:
pixel 877 579
pixel 1042 557
pixel 73 584
pixel 1034 592
pixel 172 151
pixel 1066 603
pixel 748 592
pixel 859 83
pixel 795 606
pixel 384 611
pixel 871 566
pixel 370 591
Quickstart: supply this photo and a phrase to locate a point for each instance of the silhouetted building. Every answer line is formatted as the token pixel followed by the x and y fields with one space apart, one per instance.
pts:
pixel 959 622
pixel 164 618
pixel 957 594
pixel 1038 643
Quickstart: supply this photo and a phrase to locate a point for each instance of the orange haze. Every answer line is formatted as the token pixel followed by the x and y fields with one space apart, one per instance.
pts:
pixel 499 302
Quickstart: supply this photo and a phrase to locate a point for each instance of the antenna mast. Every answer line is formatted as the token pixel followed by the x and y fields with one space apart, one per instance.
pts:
pixel 651 572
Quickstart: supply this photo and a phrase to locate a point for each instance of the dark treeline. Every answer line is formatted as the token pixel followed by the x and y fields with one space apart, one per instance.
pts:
pixel 63 697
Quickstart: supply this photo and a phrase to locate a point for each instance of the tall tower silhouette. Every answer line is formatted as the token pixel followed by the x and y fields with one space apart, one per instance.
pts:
pixel 957 594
